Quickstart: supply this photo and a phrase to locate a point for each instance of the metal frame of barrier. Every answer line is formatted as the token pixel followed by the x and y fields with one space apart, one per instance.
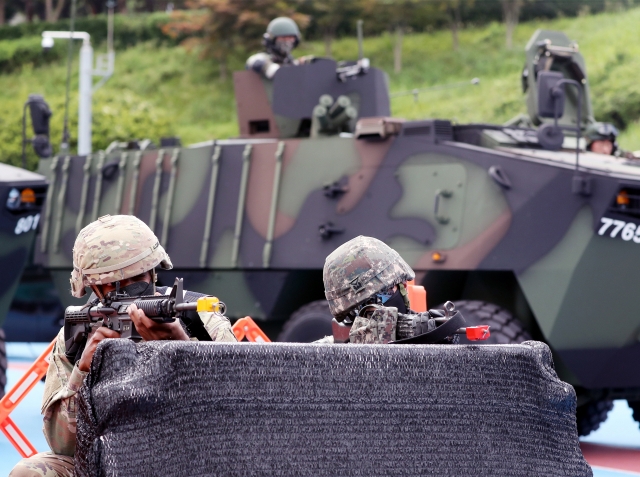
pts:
pixel 247 328
pixel 16 394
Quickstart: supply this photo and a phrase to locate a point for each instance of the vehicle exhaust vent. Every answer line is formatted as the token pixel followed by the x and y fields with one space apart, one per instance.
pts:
pixel 418 131
pixel 443 130
pixel 432 130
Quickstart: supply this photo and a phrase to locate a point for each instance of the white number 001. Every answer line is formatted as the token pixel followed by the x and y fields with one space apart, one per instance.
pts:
pixel 627 230
pixel 27 223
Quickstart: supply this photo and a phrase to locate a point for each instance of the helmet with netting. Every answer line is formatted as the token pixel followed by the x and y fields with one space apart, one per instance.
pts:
pixel 601 132
pixel 357 270
pixel 114 248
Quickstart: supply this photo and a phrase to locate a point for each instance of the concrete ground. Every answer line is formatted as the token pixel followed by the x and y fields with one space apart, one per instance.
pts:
pixel 613 450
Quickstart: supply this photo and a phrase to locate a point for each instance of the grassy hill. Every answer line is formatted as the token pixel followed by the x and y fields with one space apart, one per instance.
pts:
pixel 165 90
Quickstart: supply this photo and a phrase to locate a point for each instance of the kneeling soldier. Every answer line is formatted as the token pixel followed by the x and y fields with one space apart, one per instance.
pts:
pixel 118 252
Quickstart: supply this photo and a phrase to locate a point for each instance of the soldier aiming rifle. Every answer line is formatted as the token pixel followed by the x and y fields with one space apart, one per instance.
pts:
pixel 365 282
pixel 115 257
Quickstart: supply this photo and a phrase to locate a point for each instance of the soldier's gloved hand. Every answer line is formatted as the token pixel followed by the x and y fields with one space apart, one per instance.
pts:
pixel 379 327
pixel 415 324
pixel 151 330
pixel 305 60
pixel 84 363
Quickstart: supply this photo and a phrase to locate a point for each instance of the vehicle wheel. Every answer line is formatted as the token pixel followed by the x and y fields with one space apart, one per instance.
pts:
pixel 505 329
pixel 635 407
pixel 589 416
pixel 308 323
pixel 3 363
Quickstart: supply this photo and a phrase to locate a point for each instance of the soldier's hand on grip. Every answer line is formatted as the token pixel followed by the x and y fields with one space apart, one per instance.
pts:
pixel 151 330
pixel 101 333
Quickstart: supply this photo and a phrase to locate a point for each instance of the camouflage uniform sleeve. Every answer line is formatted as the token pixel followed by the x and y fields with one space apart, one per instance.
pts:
pixel 59 400
pixel 218 326
pixel 378 328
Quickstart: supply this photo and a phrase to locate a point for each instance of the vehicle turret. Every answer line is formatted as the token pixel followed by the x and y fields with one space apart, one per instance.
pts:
pixel 285 106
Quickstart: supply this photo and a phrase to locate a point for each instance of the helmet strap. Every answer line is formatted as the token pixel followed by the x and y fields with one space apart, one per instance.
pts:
pixel 154 278
pixel 405 295
pixel 340 331
pixel 97 291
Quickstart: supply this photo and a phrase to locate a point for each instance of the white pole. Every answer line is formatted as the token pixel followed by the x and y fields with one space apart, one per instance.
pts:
pixel 86 77
pixel 84 99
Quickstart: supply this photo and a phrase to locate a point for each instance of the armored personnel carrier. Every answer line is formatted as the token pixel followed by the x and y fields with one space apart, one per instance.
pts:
pixel 525 235
pixel 22 194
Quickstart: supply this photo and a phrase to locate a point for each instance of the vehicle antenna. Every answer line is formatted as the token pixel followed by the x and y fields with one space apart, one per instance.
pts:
pixel 360 49
pixel 64 146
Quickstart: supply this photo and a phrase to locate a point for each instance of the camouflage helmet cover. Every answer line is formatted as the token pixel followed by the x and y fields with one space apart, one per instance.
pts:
pixel 358 269
pixel 114 248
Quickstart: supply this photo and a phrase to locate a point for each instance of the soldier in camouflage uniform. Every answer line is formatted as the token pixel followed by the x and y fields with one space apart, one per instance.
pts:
pixel 365 282
pixel 281 38
pixel 110 250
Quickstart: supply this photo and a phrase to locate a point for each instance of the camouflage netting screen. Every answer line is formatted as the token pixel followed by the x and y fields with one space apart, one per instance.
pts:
pixel 187 408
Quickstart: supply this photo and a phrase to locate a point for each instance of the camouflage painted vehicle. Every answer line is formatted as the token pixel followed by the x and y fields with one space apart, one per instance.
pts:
pixel 521 236
pixel 22 193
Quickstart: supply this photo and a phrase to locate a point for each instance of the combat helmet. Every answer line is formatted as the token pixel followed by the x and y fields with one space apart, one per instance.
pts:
pixel 602 132
pixel 114 248
pixel 359 269
pixel 281 26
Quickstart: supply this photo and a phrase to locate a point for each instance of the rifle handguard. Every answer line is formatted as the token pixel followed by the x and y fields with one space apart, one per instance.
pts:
pixel 162 307
pixel 113 313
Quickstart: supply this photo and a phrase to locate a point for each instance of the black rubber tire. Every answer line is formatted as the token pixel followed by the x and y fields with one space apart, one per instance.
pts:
pixel 3 363
pixel 504 327
pixel 308 323
pixel 589 416
pixel 635 407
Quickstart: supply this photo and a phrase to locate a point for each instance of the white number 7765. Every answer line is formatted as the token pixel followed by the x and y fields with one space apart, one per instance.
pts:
pixel 629 230
pixel 607 222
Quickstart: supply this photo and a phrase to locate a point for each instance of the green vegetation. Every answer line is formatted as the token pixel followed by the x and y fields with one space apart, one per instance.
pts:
pixel 159 89
pixel 128 29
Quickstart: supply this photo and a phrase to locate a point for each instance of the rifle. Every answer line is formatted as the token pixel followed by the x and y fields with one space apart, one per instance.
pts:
pixel 348 70
pixel 79 321
pixel 436 326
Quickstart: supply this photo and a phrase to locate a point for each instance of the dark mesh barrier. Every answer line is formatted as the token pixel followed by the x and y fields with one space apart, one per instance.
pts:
pixel 188 408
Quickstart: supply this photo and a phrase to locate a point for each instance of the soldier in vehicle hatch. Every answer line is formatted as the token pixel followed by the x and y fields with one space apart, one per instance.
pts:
pixel 114 251
pixel 365 283
pixel 602 138
pixel 281 38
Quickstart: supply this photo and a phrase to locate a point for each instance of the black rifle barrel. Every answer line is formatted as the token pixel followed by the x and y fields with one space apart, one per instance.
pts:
pixel 152 308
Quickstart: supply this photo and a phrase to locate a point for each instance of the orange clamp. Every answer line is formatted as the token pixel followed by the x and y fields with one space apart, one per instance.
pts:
pixel 247 328
pixel 478 333
pixel 16 394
